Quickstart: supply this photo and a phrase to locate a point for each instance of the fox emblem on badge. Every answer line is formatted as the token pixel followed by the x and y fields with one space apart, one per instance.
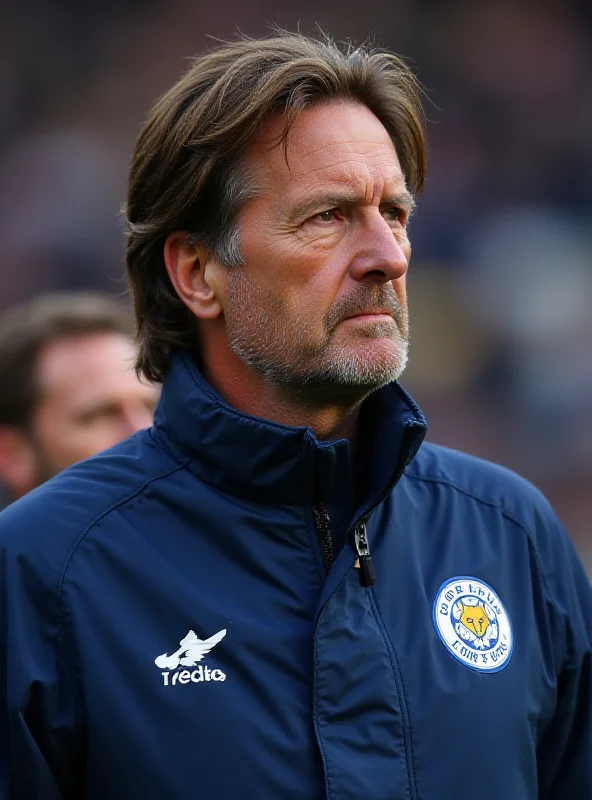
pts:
pixel 474 618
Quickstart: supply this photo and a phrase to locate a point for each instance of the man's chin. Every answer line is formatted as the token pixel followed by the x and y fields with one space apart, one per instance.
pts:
pixel 375 361
pixel 353 376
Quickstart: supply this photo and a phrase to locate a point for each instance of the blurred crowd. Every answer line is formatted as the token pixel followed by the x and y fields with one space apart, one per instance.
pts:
pixel 501 281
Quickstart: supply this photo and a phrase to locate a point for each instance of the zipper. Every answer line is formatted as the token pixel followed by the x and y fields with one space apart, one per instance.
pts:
pixel 358 533
pixel 360 543
pixel 323 526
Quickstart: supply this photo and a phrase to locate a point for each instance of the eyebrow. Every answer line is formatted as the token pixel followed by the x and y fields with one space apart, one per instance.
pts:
pixel 402 200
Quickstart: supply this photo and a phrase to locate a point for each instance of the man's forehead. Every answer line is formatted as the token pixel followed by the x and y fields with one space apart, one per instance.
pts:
pixel 62 361
pixel 335 163
pixel 334 144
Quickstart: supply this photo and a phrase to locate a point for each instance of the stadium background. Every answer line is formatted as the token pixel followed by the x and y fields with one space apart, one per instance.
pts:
pixel 501 279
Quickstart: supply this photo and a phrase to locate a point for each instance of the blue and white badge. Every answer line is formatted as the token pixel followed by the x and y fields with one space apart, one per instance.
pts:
pixel 473 624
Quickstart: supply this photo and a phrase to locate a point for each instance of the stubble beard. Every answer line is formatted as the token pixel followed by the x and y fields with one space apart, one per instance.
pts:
pixel 283 350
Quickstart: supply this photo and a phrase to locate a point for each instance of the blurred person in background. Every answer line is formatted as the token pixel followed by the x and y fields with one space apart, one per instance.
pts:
pixel 280 591
pixel 68 388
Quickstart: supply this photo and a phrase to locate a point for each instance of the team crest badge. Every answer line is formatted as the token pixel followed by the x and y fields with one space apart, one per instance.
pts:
pixel 473 624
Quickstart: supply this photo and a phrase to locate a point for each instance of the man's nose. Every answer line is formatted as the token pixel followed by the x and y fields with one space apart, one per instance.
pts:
pixel 381 251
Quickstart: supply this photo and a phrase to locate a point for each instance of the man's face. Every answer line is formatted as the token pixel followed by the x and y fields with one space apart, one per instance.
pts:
pixel 320 305
pixel 90 399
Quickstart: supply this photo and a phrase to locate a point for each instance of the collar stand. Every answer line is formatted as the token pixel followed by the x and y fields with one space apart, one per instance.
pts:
pixel 265 461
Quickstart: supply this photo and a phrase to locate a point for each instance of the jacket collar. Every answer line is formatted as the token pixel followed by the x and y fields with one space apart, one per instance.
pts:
pixel 268 462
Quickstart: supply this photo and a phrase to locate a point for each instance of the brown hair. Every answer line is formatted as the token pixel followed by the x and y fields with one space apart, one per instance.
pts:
pixel 186 171
pixel 25 329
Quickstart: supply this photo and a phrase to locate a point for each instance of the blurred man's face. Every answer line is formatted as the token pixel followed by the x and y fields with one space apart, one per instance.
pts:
pixel 90 400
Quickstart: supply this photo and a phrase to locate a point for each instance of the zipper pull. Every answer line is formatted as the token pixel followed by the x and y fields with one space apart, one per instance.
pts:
pixel 364 557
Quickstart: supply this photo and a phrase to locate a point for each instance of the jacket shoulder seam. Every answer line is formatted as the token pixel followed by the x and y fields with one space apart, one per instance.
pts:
pixel 503 511
pixel 119 502
pixel 467 493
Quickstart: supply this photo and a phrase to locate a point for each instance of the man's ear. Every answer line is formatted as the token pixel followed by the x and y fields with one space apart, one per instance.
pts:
pixel 18 463
pixel 195 275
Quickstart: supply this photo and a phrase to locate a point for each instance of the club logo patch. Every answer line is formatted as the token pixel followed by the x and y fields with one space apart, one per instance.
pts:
pixel 473 624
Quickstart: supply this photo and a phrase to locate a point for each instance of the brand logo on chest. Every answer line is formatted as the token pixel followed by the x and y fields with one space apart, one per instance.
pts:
pixel 473 624
pixel 191 651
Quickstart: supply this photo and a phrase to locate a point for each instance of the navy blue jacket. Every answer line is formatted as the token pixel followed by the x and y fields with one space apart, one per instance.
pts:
pixel 192 614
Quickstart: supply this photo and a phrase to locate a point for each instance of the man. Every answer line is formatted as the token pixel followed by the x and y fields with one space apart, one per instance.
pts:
pixel 69 388
pixel 275 593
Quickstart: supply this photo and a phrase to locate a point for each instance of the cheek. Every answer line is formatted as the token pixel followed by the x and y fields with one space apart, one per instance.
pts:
pixel 58 444
pixel 298 291
pixel 317 277
pixel 303 279
pixel 312 301
pixel 65 440
pixel 83 441
pixel 50 427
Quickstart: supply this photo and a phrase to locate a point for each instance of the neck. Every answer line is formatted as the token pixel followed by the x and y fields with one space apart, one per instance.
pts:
pixel 250 393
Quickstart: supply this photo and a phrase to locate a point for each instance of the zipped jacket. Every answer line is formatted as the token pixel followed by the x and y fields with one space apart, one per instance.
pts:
pixel 223 607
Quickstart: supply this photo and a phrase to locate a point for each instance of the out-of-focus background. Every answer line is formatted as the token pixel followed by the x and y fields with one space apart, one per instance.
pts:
pixel 501 279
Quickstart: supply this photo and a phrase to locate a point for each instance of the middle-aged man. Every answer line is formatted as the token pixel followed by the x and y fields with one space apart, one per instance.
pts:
pixel 275 593
pixel 67 385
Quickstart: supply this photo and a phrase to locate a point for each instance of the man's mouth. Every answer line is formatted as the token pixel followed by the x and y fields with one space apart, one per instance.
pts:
pixel 370 315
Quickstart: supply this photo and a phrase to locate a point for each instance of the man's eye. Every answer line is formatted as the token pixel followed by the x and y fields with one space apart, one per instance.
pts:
pixel 92 416
pixel 393 214
pixel 326 216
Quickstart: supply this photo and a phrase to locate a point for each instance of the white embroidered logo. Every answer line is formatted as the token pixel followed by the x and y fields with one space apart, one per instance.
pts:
pixel 192 650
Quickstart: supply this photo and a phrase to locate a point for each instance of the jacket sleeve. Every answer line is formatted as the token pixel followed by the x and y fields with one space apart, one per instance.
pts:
pixel 565 749
pixel 40 726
